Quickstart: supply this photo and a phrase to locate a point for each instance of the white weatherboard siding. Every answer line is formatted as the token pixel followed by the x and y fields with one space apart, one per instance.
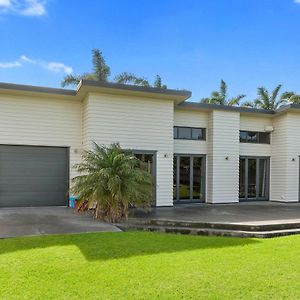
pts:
pixel 223 142
pixel 292 157
pixel 190 119
pixel 254 123
pixel 279 159
pixel 42 122
pixel 136 123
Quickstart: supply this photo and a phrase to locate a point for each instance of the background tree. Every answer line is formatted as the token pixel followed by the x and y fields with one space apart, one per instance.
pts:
pixel 110 181
pixel 272 100
pixel 101 73
pixel 221 98
pixel 127 77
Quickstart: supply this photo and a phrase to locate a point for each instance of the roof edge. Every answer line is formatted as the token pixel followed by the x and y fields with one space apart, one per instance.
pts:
pixel 37 89
pixel 208 106
pixel 135 88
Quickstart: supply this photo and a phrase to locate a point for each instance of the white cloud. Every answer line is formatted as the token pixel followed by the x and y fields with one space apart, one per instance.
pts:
pixel 52 66
pixel 297 1
pixel 5 3
pixel 8 65
pixel 24 7
pixel 59 67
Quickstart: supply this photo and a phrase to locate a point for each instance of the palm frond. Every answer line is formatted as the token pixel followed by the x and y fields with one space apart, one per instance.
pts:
pixel 235 101
pixel 127 77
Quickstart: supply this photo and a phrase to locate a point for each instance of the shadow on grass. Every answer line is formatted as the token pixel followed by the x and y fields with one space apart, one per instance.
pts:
pixel 105 246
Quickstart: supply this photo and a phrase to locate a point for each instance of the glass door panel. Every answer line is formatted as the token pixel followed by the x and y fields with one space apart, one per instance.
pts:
pixel 242 186
pixel 263 165
pixel 251 178
pixel 175 178
pixel 188 178
pixel 184 177
pixel 197 178
pixel 254 178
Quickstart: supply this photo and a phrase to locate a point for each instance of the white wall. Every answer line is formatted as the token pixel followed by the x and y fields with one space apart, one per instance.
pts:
pixel 255 123
pixel 190 119
pixel 42 122
pixel 223 141
pixel 136 123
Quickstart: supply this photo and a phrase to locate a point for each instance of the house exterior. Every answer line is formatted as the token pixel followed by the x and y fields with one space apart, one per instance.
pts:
pixel 195 152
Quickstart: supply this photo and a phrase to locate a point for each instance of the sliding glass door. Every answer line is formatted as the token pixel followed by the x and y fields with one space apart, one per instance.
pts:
pixel 254 178
pixel 189 178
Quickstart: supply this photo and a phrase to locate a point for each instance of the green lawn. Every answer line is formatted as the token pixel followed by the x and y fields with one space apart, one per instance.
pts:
pixel 138 265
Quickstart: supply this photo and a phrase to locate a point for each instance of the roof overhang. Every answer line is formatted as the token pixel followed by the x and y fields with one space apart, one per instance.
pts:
pixel 89 86
pixel 211 107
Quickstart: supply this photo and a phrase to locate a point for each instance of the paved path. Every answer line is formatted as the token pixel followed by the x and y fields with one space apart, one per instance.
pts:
pixel 256 213
pixel 47 220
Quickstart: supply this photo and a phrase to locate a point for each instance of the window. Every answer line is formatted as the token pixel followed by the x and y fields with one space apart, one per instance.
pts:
pixel 254 137
pixel 189 133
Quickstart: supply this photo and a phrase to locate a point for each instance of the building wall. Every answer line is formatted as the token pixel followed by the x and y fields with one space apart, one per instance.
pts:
pixel 42 122
pixel 223 142
pixel 136 123
pixel 190 119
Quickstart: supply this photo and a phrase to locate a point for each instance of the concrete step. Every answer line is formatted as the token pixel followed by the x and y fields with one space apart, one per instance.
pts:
pixel 209 231
pixel 214 225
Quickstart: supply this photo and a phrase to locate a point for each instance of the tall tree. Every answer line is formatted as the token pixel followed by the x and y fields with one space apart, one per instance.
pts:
pixel 101 72
pixel 221 98
pixel 272 100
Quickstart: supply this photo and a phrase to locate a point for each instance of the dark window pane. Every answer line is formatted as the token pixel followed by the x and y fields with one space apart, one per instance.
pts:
pixel 175 130
pixel 243 136
pixel 197 134
pixel 252 137
pixel 184 133
pixel 264 137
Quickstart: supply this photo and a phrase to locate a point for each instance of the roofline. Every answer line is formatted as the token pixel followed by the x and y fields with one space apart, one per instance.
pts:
pixel 206 106
pixel 129 87
pixel 37 89
pixel 182 95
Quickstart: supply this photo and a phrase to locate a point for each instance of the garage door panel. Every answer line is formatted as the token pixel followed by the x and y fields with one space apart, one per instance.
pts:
pixel 24 199
pixel 33 176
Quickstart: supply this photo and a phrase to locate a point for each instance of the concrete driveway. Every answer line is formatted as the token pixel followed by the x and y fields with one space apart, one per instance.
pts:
pixel 48 220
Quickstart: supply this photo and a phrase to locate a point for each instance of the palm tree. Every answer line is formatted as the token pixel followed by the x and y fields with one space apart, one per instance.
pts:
pixel 273 100
pixel 220 97
pixel 101 72
pixel 111 180
pixel 127 77
pixel 291 97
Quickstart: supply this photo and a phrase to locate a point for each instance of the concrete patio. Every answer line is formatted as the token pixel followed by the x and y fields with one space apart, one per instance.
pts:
pixel 29 221
pixel 251 219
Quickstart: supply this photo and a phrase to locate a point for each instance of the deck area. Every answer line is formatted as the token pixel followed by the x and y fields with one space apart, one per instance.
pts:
pixel 251 219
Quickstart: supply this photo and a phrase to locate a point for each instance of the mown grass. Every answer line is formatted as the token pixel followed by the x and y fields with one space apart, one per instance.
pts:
pixel 139 265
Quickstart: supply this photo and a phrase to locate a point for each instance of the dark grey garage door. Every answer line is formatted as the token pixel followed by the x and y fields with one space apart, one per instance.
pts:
pixel 33 176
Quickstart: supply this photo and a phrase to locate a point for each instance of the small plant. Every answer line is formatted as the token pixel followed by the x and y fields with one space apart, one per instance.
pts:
pixel 111 180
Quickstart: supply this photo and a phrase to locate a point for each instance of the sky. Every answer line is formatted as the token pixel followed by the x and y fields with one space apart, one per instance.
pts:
pixel 192 44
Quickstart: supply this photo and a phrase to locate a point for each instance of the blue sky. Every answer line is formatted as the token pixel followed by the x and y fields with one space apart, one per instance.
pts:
pixel 191 44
